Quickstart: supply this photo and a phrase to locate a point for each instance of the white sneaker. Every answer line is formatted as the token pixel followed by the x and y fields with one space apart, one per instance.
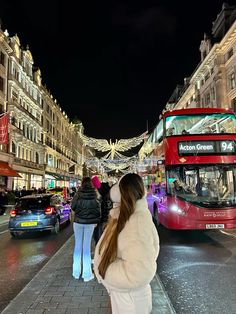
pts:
pixel 90 278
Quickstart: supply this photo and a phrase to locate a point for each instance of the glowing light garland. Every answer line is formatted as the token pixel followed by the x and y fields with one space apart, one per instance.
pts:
pixel 121 145
pixel 113 160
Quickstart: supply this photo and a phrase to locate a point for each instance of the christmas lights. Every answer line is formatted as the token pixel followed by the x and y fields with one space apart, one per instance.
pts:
pixel 121 145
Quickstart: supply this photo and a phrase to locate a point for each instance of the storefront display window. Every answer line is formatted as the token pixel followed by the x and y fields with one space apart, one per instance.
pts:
pixel 18 183
pixel 36 181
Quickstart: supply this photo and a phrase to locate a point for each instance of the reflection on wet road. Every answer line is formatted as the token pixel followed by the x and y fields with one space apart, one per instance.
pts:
pixel 198 270
pixel 22 258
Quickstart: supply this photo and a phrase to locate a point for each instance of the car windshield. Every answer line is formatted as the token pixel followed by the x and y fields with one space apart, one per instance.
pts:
pixel 33 203
pixel 206 186
pixel 217 123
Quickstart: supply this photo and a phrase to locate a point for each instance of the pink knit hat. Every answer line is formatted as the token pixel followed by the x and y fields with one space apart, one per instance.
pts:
pixel 96 182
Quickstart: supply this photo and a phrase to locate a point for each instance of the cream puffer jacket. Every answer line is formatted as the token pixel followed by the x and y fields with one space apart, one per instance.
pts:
pixel 138 249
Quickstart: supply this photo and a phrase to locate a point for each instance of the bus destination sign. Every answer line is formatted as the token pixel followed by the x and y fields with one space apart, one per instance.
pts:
pixel 206 147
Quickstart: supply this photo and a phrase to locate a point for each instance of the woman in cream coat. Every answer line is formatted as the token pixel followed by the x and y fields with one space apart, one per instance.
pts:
pixel 125 256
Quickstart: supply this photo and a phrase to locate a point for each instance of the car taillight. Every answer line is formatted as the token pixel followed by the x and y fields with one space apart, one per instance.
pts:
pixel 49 210
pixel 13 213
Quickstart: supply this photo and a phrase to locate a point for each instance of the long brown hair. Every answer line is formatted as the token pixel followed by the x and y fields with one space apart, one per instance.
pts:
pixel 131 189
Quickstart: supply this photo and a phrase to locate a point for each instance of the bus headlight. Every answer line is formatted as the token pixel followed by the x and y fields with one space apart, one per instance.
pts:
pixel 174 208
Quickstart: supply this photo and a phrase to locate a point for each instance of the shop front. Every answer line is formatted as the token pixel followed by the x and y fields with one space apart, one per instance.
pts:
pixel 6 174
pixel 50 181
pixel 30 178
pixel 53 180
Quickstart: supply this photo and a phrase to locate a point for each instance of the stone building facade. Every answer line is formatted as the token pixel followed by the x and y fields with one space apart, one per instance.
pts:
pixel 213 83
pixel 44 147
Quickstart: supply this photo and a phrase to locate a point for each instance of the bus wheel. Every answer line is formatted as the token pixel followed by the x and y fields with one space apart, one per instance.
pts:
pixel 155 215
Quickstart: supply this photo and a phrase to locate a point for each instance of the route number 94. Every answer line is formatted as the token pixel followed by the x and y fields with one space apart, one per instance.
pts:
pixel 227 146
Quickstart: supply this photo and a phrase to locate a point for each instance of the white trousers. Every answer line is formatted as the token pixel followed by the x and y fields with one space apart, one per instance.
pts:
pixel 133 302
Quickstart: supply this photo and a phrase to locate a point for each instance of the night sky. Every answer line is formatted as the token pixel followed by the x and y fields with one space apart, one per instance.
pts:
pixel 112 64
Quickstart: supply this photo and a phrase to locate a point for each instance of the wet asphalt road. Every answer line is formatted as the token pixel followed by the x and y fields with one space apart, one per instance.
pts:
pixel 21 259
pixel 198 270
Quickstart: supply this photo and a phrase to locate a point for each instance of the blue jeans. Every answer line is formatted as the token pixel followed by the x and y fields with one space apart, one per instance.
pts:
pixel 82 250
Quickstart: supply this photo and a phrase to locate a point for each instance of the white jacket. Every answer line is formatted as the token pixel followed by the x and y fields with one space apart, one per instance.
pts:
pixel 138 249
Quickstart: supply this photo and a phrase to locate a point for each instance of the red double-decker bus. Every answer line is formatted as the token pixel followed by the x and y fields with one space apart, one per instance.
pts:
pixel 198 149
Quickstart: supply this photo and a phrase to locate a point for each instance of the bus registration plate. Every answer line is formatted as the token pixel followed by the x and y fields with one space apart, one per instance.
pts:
pixel 215 226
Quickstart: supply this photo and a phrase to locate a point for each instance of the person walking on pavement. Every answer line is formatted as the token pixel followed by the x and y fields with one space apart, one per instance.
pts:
pixel 23 191
pixel 86 207
pixel 3 199
pixel 106 205
pixel 72 191
pixel 125 256
pixel 96 182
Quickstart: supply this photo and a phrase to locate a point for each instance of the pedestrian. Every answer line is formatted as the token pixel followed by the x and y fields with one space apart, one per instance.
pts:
pixel 23 191
pixel 73 191
pixel 86 207
pixel 125 256
pixel 106 205
pixel 96 182
pixel 3 199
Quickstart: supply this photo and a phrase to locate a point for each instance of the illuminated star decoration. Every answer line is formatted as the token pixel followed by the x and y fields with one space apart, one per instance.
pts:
pixel 121 145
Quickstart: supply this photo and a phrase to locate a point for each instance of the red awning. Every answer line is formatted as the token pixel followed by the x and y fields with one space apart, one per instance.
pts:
pixel 7 171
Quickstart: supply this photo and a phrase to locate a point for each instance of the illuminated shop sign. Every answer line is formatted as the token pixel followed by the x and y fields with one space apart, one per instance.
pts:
pixel 206 147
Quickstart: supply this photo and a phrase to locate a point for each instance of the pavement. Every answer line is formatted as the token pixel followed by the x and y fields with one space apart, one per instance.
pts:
pixel 54 290
pixel 5 218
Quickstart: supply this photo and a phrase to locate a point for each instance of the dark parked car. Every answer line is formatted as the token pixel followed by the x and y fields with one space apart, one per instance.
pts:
pixel 39 212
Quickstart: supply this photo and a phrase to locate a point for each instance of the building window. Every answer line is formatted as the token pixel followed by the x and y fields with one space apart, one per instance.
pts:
pixel 47 125
pixel 19 152
pixel 13 147
pixel 232 80
pixel 1 83
pixel 36 158
pixel 230 53
pixel 233 104
pixel 50 160
pixel 207 76
pixel 207 99
pixel 213 94
pixel 2 58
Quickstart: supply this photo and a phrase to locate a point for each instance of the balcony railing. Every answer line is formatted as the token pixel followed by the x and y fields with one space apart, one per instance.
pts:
pixel 28 163
pixel 13 103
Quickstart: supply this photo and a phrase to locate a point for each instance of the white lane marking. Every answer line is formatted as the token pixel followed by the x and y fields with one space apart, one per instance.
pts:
pixel 3 231
pixel 228 233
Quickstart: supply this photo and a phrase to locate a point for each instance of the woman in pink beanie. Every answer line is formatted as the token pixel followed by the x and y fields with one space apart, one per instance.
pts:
pixel 96 182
